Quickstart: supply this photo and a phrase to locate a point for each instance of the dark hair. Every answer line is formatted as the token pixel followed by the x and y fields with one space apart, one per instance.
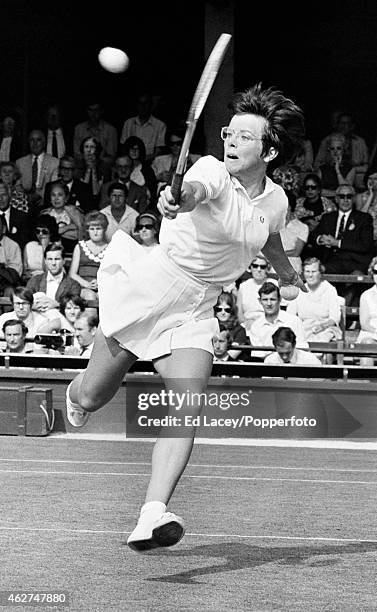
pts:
pixel 67 158
pixel 23 293
pixel 92 319
pixel 96 142
pixel 311 176
pixel 283 334
pixel 280 114
pixel 54 246
pixel 50 223
pixel 120 186
pixel 15 322
pixel 230 300
pixel 133 141
pixel 75 299
pixel 59 183
pixel 268 288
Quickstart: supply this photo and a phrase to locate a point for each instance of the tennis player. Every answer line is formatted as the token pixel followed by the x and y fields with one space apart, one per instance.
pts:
pixel 160 306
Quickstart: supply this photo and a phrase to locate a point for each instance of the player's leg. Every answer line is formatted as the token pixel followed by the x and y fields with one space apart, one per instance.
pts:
pixel 94 387
pixel 185 371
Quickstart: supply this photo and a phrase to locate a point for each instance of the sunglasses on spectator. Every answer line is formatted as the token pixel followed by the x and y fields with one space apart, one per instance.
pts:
pixel 311 187
pixel 175 143
pixel 148 226
pixel 261 266
pixel 345 196
pixel 374 270
pixel 42 230
pixel 224 308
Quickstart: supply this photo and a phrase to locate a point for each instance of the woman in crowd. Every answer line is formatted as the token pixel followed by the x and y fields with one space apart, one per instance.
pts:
pixel 90 168
pixel 310 207
pixel 69 218
pixel 88 254
pixel 336 170
pixel 146 230
pixel 226 313
pixel 164 165
pixel 367 200
pixel 248 305
pixel 10 176
pixel 45 231
pixel 142 173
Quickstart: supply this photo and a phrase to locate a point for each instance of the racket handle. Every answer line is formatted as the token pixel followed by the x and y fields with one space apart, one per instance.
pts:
pixel 176 187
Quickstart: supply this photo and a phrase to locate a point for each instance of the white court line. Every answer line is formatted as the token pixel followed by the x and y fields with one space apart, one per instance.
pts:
pixel 192 535
pixel 268 442
pixel 211 477
pixel 194 465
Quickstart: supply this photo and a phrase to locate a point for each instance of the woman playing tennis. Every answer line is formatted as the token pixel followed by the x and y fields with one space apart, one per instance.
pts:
pixel 160 307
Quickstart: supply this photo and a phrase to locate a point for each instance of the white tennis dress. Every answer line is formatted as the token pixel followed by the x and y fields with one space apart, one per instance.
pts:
pixel 153 302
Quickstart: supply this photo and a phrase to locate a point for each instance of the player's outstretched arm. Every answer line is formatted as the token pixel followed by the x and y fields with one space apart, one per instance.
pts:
pixel 191 195
pixel 273 250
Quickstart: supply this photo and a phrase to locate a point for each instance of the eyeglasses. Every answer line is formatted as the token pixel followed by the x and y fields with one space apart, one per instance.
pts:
pixel 261 266
pixel 147 226
pixel 66 168
pixel 243 137
pixel 345 196
pixel 42 230
pixel 175 143
pixel 224 308
pixel 311 187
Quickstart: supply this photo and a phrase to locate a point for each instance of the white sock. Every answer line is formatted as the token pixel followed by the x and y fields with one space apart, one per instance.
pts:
pixel 153 509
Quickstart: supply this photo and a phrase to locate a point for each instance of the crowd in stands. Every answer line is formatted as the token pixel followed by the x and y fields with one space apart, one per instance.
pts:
pixel 63 198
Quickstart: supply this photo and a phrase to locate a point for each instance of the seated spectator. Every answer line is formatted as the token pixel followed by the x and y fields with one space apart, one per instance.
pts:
pixel 284 341
pixel 294 237
pixel 69 219
pixel 85 329
pixel 147 127
pixel 142 172
pixel 319 309
pixel 10 176
pixel 79 193
pixel 10 137
pixel 335 170
pixel 45 231
pixel 70 308
pixel 343 240
pixel 164 166
pixel 49 286
pixel 57 139
pixel 367 200
pixel 249 307
pixel 288 177
pixel 136 196
pixel 226 313
pixel 146 230
pixel 222 342
pixel 10 261
pixel 15 333
pixel 368 309
pixel 311 207
pixel 119 214
pixel 22 303
pixel 261 330
pixel 17 222
pixel 89 169
pixel 88 254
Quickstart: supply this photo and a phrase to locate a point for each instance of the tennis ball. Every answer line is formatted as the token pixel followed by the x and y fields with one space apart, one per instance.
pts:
pixel 289 292
pixel 113 60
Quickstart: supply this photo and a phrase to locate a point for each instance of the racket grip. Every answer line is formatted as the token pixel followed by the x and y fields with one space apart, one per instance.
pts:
pixel 176 187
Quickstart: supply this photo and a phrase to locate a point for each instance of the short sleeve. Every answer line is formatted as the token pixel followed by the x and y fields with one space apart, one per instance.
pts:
pixel 209 172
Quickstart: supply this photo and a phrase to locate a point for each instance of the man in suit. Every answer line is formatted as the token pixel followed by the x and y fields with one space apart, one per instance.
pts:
pixel 57 140
pixel 48 287
pixel 79 192
pixel 343 240
pixel 137 196
pixel 37 169
pixel 17 223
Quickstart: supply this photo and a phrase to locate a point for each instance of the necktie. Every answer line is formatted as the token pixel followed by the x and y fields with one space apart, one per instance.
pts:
pixel 34 172
pixel 2 214
pixel 341 228
pixel 54 148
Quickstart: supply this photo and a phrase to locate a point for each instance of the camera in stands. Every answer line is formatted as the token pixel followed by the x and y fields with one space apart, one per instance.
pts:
pixel 55 341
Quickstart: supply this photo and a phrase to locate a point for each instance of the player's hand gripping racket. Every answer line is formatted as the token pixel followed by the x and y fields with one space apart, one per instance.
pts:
pixel 200 97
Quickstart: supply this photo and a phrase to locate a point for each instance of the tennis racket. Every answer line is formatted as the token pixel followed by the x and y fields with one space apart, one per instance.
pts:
pixel 200 97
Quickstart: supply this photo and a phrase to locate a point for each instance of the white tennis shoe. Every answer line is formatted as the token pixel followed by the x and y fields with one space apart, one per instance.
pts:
pixel 164 531
pixel 76 415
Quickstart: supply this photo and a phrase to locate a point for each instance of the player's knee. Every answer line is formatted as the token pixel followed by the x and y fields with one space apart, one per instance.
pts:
pixel 88 401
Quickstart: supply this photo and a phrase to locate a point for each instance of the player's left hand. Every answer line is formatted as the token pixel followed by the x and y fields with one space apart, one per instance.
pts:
pixel 166 204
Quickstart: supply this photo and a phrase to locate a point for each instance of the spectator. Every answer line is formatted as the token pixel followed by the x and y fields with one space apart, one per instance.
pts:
pixel 146 230
pixel 226 313
pixel 49 286
pixel 85 329
pixel 69 219
pixel 10 176
pixel 118 213
pixel 311 207
pixel 165 165
pixel 37 169
pixel 88 255
pixel 56 136
pixel 17 221
pixel 22 302
pixel 15 337
pixel 147 127
pixel 142 172
pixel 335 170
pixel 10 261
pixel 90 168
pixel 368 309
pixel 294 236
pixel 10 138
pixel 367 200
pixel 319 309
pixel 261 330
pixel 136 196
pixel 249 307
pixel 222 342
pixel 102 131
pixel 284 341
pixel 80 194
pixel 70 308
pixel 344 240
pixel 45 231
